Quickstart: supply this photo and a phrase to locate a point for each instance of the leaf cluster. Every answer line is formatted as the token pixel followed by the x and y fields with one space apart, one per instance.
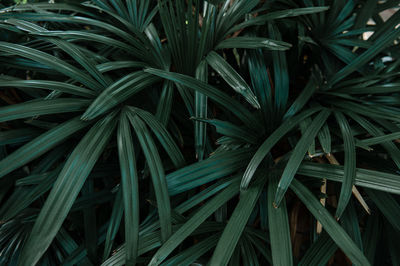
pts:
pixel 200 131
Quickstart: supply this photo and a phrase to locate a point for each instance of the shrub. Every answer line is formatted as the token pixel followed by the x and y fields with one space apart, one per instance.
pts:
pixel 179 132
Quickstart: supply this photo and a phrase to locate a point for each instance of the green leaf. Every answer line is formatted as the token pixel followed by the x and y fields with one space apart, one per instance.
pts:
pixel 230 14
pixel 157 174
pixel 130 187
pixel 324 137
pixel 349 163
pixel 89 221
pixel 365 88
pixel 286 13
pixel 329 224
pixel 40 145
pixel 115 221
pixel 92 37
pixel 23 197
pixel 48 6
pixel 51 61
pixel 116 65
pixel 281 73
pixel 49 85
pixel 298 154
pixel 216 95
pixel 261 83
pixel 253 43
pixel 390 147
pixel 118 92
pixel 228 129
pixel 232 77
pixel 365 178
pixel 200 111
pixel 320 251
pixel 218 166
pixel 203 195
pixel 14 136
pixel 270 142
pixel 372 235
pixel 350 223
pixel 301 100
pixel 237 222
pixel 195 221
pixel 189 255
pixel 86 62
pixel 42 107
pixel 375 110
pixel 380 139
pixel 65 190
pixel 163 136
pixel 279 231
pixel 379 45
pixel 165 103
pixel 387 205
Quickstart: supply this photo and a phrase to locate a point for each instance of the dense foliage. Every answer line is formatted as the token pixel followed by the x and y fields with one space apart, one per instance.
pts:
pixel 172 132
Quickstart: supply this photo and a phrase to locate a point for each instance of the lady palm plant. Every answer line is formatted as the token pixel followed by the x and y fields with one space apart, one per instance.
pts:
pixel 178 132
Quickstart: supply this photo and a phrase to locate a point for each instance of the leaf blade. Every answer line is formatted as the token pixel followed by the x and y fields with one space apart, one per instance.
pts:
pixel 335 231
pixel 65 190
pixel 298 154
pixel 130 188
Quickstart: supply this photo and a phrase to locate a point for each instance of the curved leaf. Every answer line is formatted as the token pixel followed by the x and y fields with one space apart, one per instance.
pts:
pixel 40 145
pixel 269 143
pixel 65 190
pixel 157 174
pixel 211 92
pixel 298 154
pixel 349 163
pixel 233 230
pixel 41 107
pixel 130 188
pixel 232 77
pixel 118 92
pixel 330 225
pixel 51 61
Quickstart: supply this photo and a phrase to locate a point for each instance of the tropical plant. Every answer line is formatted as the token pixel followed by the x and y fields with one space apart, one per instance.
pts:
pixel 178 132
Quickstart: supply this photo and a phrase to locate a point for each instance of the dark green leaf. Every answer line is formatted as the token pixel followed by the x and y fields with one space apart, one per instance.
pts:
pixel 349 163
pixel 41 107
pixel 65 190
pixel 233 230
pixel 157 173
pixel 279 231
pixel 298 154
pixel 329 224
pixel 130 188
